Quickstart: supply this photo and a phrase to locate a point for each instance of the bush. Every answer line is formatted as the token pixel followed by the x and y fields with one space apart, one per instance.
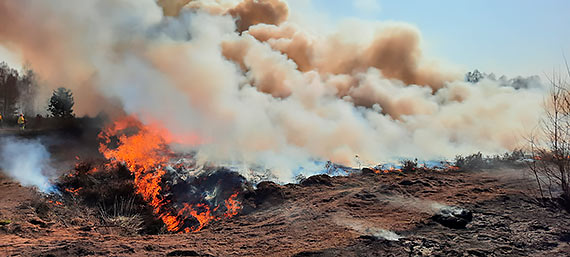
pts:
pixel 108 191
pixel 409 165
pixel 471 162
pixel 551 147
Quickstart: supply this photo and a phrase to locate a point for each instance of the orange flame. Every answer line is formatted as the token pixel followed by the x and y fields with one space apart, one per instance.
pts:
pixel 73 191
pixel 232 205
pixel 56 203
pixel 451 167
pixel 203 217
pixel 146 155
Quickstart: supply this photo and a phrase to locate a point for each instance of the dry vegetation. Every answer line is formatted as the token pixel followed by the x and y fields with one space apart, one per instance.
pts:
pixel 551 145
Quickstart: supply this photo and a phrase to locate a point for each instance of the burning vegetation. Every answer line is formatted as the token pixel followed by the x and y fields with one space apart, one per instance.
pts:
pixel 169 187
pixel 248 86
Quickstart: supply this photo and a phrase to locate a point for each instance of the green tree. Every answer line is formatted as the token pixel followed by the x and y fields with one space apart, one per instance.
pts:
pixel 61 103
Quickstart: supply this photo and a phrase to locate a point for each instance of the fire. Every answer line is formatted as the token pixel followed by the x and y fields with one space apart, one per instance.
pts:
pixel 73 191
pixel 56 203
pixel 232 205
pixel 391 169
pixel 146 154
pixel 206 215
pixel 203 217
pixel 451 167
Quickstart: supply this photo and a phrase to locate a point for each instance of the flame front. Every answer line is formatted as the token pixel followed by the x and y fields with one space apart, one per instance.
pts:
pixel 146 154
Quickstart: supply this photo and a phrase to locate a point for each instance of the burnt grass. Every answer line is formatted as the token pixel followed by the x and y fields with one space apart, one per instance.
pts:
pixel 320 216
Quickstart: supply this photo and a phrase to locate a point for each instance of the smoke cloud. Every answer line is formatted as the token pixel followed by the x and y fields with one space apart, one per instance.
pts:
pixel 393 48
pixel 258 89
pixel 172 7
pixel 252 12
pixel 26 161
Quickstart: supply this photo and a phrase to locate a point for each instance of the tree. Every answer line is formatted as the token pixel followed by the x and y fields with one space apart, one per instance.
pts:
pixel 473 77
pixel 9 79
pixel 61 103
pixel 551 147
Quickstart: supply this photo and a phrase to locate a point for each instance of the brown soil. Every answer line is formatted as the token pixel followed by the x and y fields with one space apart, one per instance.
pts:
pixel 338 216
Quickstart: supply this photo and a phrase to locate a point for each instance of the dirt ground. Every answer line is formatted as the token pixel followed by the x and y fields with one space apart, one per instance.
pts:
pixel 324 216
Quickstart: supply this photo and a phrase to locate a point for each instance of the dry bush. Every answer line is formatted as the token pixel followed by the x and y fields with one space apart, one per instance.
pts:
pixel 551 145
pixel 470 162
pixel 107 193
pixel 409 165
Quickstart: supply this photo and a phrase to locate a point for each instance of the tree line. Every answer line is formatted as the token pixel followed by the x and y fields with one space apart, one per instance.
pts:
pixel 19 91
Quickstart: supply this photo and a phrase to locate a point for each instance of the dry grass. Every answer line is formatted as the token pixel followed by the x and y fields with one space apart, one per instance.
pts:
pixel 121 217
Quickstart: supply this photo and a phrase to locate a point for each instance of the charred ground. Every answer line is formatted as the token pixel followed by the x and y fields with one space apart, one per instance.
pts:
pixel 360 214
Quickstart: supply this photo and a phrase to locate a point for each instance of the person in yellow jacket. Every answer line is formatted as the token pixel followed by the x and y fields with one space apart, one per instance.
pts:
pixel 1 121
pixel 22 122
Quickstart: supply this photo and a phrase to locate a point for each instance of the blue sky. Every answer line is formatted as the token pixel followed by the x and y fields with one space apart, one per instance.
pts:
pixel 512 37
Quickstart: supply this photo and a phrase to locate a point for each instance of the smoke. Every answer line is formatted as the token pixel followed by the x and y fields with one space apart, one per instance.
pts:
pixel 246 12
pixel 172 7
pixel 393 48
pixel 261 91
pixel 363 227
pixel 26 161
pixel 518 82
pixel 417 204
pixel 252 12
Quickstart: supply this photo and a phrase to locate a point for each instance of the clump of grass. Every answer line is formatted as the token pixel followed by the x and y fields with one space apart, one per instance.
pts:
pixel 122 215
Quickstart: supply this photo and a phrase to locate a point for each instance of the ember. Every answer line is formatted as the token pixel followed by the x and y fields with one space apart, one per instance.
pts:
pixel 73 191
pixel 56 203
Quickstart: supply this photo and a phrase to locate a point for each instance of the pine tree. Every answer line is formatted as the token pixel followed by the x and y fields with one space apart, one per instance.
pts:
pixel 61 103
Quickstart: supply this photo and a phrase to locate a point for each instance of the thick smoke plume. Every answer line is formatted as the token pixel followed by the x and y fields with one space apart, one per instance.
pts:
pixel 392 48
pixel 252 12
pixel 258 89
pixel 172 7
pixel 27 161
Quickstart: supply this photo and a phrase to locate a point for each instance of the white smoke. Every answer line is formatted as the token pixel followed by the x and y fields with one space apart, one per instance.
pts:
pixel 413 203
pixel 274 96
pixel 382 233
pixel 27 161
pixel 365 228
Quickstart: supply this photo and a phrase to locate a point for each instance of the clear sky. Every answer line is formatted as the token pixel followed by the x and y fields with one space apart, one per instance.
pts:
pixel 509 37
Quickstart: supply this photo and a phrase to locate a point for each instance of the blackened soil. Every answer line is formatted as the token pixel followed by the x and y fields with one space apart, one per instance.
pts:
pixel 357 215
